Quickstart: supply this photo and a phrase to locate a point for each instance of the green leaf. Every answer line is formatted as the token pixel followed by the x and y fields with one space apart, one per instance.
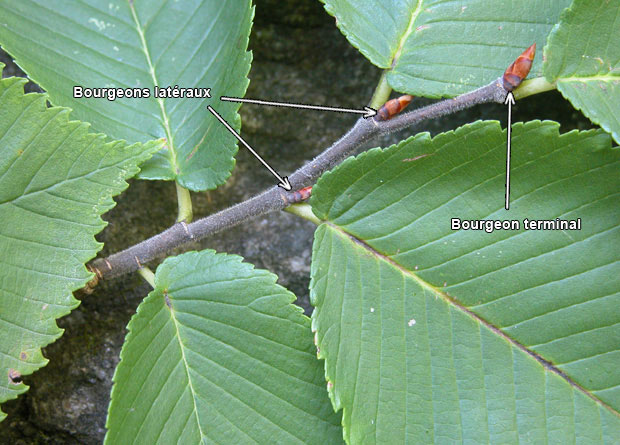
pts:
pixel 141 44
pixel 432 334
pixel 56 180
pixel 583 58
pixel 217 353
pixel 435 48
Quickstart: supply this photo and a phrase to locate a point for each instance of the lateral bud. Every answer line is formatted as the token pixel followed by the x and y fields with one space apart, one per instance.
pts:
pixel 301 195
pixel 393 107
pixel 519 69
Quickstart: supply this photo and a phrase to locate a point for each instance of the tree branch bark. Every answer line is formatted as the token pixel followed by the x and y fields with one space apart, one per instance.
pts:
pixel 276 198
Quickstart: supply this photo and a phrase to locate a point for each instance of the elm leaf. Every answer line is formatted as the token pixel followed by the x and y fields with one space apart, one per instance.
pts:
pixel 142 44
pixel 437 335
pixel 56 180
pixel 435 48
pixel 218 354
pixel 583 59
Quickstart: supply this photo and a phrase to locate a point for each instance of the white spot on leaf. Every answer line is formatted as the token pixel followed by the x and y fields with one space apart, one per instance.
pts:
pixel 100 24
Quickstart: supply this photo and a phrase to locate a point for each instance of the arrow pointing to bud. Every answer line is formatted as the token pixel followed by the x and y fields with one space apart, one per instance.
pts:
pixel 510 101
pixel 367 111
pixel 284 182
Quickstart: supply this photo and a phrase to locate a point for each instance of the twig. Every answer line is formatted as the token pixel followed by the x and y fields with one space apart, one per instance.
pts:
pixel 275 198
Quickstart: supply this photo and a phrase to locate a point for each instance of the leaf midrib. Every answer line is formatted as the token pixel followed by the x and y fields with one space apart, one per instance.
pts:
pixel 405 36
pixel 186 367
pixel 456 304
pixel 160 102
pixel 596 77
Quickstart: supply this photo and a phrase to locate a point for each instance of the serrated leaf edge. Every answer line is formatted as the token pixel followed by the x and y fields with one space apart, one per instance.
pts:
pixel 100 208
pixel 161 276
pixel 424 284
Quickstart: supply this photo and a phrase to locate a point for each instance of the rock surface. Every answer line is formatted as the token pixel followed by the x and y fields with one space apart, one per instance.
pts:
pixel 299 56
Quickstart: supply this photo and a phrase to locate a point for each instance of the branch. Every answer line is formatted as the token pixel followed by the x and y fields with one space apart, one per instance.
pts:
pixel 275 198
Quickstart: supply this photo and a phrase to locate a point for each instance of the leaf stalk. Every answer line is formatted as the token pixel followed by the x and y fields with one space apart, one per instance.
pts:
pixel 533 86
pixel 304 211
pixel 148 275
pixel 382 92
pixel 185 204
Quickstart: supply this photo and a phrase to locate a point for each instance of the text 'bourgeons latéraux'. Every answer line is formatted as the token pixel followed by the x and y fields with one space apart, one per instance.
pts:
pixel 113 93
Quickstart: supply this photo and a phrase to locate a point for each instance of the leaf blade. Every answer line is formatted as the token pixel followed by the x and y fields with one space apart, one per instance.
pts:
pixel 140 45
pixel 443 49
pixel 242 367
pixel 48 221
pixel 390 210
pixel 582 58
pixel 504 395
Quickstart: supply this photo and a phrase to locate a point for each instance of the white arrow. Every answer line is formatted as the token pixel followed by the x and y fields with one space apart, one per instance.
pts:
pixel 510 101
pixel 284 182
pixel 367 111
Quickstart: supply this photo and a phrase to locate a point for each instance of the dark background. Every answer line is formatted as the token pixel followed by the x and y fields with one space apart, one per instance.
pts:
pixel 299 56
